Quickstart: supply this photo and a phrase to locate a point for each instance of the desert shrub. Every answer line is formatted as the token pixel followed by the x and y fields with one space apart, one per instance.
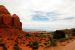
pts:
pixel 16 47
pixel 0 36
pixel 73 32
pixel 1 40
pixel 27 35
pixel 53 42
pixel 42 35
pixel 37 35
pixel 20 37
pixel 34 45
pixel 47 44
pixel 23 42
pixel 62 40
pixel 4 47
pixel 10 39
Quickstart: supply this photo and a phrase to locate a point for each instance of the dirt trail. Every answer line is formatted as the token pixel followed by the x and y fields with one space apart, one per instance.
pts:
pixel 70 46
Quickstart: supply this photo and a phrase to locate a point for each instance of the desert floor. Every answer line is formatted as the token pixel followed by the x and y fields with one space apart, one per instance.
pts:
pixel 66 45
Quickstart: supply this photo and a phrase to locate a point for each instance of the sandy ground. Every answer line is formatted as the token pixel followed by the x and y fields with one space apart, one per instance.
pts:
pixel 70 46
pixel 67 45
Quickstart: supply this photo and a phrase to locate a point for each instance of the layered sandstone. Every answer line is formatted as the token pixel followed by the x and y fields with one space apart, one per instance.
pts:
pixel 8 20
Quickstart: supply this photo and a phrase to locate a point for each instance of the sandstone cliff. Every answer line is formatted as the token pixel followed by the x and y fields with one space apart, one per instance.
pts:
pixel 7 20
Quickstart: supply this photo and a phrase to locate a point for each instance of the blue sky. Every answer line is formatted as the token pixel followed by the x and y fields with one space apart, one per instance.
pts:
pixel 46 15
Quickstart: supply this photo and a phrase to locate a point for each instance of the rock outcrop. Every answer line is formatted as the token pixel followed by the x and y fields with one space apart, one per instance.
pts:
pixel 3 10
pixel 59 34
pixel 16 21
pixel 8 20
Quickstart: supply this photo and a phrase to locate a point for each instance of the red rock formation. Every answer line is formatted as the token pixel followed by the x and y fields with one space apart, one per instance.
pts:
pixel 20 25
pixel 1 19
pixel 16 21
pixel 3 10
pixel 6 20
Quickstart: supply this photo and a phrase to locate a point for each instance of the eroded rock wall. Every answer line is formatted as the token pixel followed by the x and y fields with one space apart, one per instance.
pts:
pixel 6 19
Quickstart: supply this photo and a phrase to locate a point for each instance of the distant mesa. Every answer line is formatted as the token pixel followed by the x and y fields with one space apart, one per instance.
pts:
pixel 7 20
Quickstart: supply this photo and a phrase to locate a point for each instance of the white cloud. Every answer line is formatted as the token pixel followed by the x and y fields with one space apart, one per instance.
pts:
pixel 24 9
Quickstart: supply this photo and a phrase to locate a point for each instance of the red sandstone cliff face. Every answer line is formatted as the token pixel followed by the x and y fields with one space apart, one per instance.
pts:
pixel 1 19
pixel 10 29
pixel 16 21
pixel 9 21
pixel 3 10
